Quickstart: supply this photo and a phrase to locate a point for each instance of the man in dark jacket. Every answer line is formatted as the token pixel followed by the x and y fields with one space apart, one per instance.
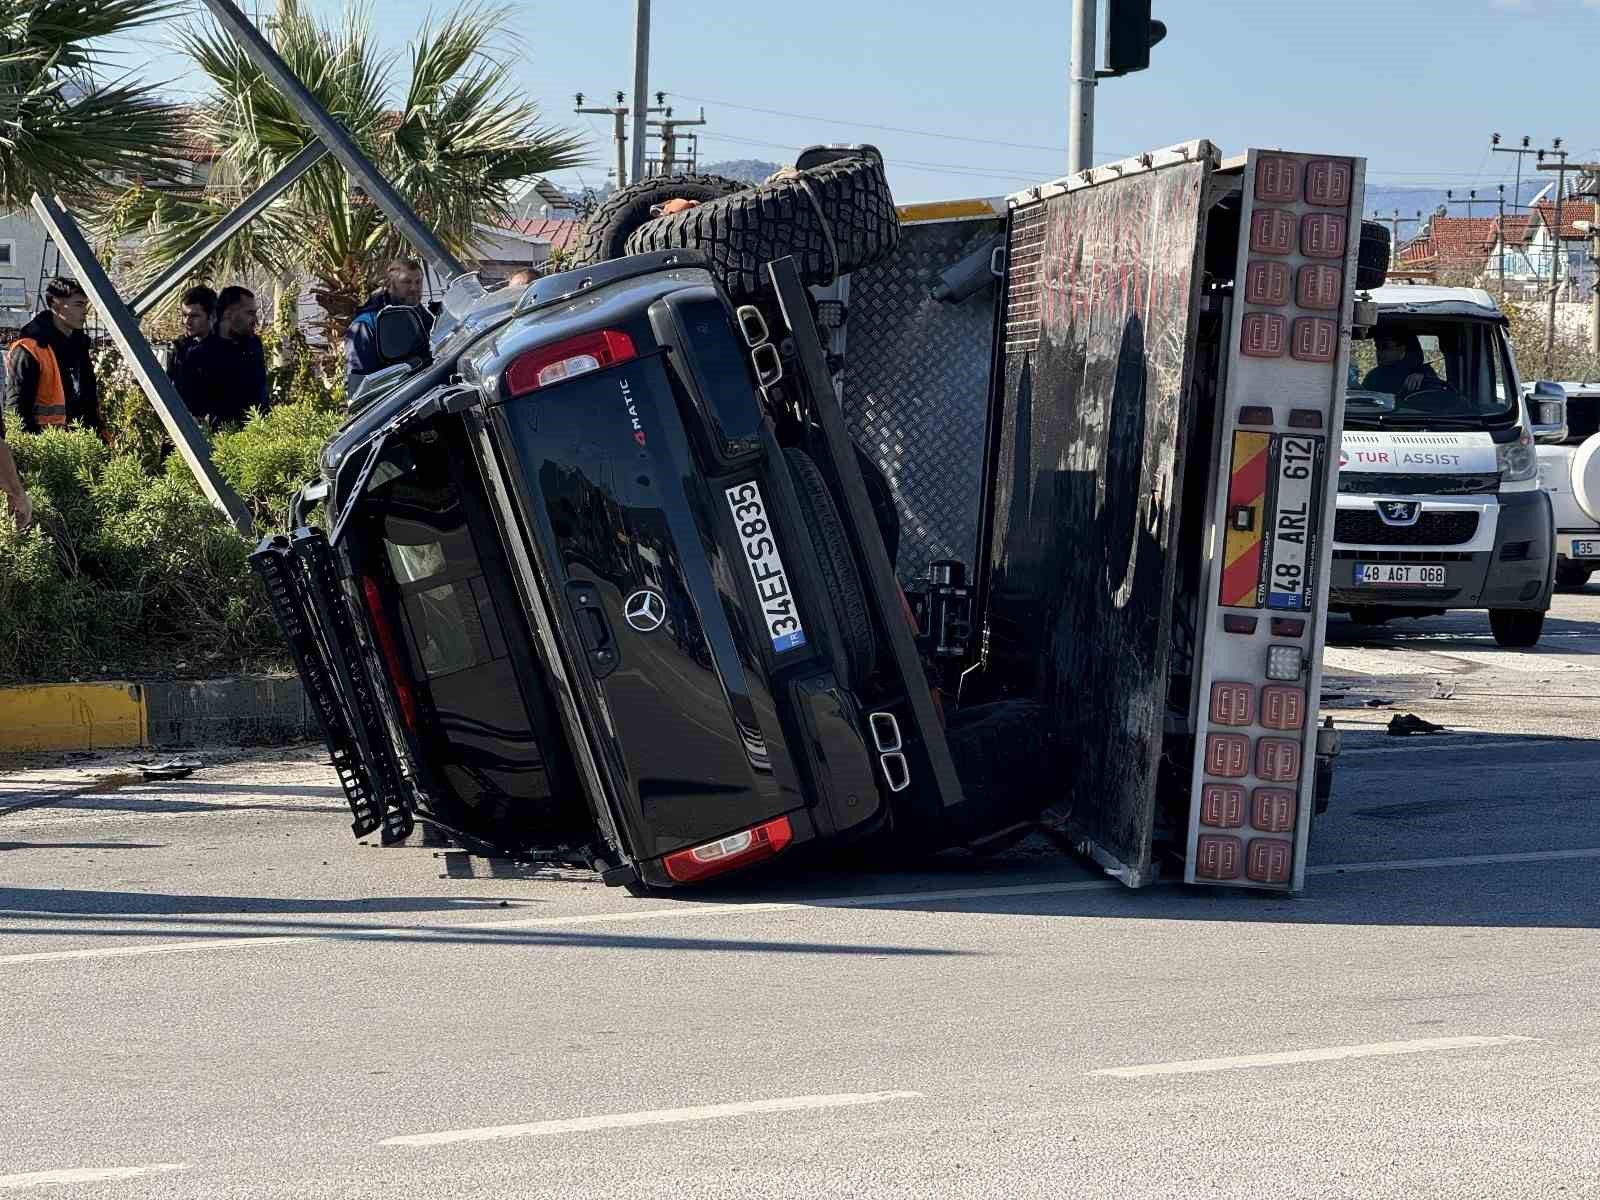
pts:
pixel 402 286
pixel 229 368
pixel 199 315
pixel 49 375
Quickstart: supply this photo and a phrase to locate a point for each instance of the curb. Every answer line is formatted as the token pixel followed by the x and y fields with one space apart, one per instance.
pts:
pixel 258 710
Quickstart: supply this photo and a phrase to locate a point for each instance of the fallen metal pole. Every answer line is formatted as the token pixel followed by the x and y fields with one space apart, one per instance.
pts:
pixel 141 360
pixel 251 207
pixel 332 135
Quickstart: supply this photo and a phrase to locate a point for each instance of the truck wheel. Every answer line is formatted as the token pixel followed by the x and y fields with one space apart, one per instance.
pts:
pixel 606 232
pixel 998 749
pixel 1518 628
pixel 1571 577
pixel 841 582
pixel 795 215
pixel 1372 258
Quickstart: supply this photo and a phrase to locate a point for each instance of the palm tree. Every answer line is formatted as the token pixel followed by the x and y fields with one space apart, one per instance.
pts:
pixel 62 130
pixel 453 140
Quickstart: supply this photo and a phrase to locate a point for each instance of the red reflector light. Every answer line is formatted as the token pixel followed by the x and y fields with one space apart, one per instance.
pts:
pixel 1272 810
pixel 549 365
pixel 1232 704
pixel 1236 623
pixel 391 654
pixel 1278 760
pixel 1270 860
pixel 1290 627
pixel 1305 418
pixel 724 854
pixel 1222 805
pixel 1283 708
pixel 1228 755
pixel 1255 415
pixel 1216 856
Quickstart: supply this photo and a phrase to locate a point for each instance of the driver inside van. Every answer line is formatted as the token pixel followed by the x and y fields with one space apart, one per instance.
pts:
pixel 1401 368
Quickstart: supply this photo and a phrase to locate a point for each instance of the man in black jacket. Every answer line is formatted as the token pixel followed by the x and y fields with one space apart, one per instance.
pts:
pixel 199 313
pixel 49 375
pixel 229 368
pixel 402 285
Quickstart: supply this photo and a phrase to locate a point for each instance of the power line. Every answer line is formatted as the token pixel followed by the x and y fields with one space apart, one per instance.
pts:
pixel 962 169
pixel 949 137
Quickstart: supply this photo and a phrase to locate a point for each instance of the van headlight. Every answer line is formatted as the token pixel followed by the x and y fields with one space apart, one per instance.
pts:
pixel 1516 460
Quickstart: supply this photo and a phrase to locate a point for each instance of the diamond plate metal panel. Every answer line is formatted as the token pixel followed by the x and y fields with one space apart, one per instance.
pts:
pixel 916 387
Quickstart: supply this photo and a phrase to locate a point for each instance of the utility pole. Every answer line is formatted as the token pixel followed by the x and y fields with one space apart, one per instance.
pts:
pixel 619 115
pixel 1500 238
pixel 1561 170
pixel 641 83
pixel 1591 230
pixel 1080 88
pixel 669 126
pixel 1522 151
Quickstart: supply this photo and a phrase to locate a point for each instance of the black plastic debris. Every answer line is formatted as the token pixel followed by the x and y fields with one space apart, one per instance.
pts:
pixel 1409 723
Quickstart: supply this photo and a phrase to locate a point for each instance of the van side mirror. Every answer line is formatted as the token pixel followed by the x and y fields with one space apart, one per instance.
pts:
pixel 1547 409
pixel 402 334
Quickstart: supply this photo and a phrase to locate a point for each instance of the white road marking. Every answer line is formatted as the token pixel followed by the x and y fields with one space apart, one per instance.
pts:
pixel 660 1116
pixel 419 935
pixel 1458 741
pixel 152 948
pixel 85 1175
pixel 1464 860
pixel 1241 1062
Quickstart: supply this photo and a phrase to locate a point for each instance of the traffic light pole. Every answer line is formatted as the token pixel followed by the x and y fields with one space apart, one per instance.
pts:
pixel 1081 83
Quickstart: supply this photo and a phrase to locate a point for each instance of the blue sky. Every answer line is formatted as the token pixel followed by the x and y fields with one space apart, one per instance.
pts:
pixel 1415 85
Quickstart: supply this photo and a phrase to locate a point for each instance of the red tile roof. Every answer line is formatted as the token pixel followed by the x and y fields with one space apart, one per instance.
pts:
pixel 1573 209
pixel 561 234
pixel 1460 241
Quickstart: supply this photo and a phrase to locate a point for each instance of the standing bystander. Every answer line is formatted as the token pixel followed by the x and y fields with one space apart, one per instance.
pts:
pixel 229 368
pixel 199 314
pixel 402 281
pixel 49 375
pixel 11 482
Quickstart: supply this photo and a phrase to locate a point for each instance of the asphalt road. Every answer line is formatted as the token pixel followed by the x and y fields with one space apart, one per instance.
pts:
pixel 207 989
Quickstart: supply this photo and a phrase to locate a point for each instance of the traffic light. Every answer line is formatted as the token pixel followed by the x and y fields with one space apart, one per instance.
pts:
pixel 1129 35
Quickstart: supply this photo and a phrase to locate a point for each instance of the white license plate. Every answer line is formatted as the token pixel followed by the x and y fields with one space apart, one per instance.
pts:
pixel 1589 548
pixel 1289 574
pixel 760 544
pixel 1399 575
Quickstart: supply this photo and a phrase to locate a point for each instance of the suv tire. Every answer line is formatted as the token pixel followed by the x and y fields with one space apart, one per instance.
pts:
pixel 606 232
pixel 1516 628
pixel 1372 258
pixel 840 579
pixel 743 232
pixel 1572 577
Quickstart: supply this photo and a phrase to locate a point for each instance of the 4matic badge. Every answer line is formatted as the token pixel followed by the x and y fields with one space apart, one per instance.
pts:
pixel 633 412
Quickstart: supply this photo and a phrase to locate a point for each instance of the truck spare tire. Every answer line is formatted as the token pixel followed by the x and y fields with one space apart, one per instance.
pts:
pixel 606 232
pixel 841 582
pixel 834 219
pixel 1372 257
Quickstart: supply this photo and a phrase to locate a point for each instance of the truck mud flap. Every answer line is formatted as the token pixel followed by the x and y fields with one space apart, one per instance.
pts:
pixel 299 578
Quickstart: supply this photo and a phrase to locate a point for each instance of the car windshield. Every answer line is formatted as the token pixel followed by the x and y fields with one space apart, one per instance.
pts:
pixel 1439 373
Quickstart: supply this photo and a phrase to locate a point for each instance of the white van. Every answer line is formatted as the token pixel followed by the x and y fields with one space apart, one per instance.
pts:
pixel 1440 505
pixel 1570 472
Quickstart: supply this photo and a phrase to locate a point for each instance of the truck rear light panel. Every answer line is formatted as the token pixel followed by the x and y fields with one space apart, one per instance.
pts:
pixel 1274 497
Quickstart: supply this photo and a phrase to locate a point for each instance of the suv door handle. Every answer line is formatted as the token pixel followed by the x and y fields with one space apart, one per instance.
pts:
pixel 593 629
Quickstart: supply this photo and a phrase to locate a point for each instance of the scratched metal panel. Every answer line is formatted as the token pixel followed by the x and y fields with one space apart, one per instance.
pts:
pixel 916 387
pixel 1100 324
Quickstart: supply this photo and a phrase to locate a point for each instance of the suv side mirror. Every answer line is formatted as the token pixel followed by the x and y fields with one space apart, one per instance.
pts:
pixel 1547 408
pixel 402 333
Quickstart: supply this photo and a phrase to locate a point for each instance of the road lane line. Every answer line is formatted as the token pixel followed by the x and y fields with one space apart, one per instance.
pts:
pixel 1464 860
pixel 1241 1062
pixel 85 1175
pixel 153 948
pixel 660 1116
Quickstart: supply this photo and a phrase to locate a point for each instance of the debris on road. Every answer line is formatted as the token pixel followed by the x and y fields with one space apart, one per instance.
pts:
pixel 1442 690
pixel 1405 726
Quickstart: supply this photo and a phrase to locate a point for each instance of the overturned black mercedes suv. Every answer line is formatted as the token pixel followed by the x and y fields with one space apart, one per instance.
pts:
pixel 598 577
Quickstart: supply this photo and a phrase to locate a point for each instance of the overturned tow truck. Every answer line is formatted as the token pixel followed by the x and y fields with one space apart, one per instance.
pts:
pixel 621 570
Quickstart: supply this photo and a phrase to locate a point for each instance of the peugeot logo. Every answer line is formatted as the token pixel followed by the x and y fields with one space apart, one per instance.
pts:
pixel 645 610
pixel 1399 512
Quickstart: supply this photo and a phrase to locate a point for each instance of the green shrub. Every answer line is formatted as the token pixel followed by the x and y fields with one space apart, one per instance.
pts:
pixel 272 455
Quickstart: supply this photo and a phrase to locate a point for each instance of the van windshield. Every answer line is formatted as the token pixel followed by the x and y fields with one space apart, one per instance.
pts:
pixel 1422 373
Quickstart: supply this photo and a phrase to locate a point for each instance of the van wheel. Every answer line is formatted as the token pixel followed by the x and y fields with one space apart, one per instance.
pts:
pixel 841 582
pixel 1517 628
pixel 1571 577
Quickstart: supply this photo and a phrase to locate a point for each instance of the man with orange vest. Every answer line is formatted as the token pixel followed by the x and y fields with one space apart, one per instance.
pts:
pixel 49 375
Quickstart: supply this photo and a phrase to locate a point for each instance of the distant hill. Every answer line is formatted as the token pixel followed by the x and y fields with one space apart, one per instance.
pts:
pixel 746 170
pixel 1410 200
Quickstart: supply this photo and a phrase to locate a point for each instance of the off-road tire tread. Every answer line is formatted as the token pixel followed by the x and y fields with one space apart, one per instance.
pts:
pixel 840 579
pixel 743 232
pixel 1372 256
pixel 606 232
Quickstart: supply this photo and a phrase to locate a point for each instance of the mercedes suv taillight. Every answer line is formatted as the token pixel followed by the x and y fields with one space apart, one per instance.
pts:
pixel 547 365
